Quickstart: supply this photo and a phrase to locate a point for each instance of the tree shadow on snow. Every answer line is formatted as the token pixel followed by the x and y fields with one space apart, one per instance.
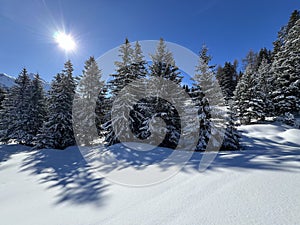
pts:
pixel 67 171
pixel 258 153
pixel 7 151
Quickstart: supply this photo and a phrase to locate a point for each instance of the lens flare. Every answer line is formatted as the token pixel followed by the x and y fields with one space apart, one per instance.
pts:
pixel 65 41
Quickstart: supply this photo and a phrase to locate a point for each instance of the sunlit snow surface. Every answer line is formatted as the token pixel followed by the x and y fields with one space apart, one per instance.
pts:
pixel 259 185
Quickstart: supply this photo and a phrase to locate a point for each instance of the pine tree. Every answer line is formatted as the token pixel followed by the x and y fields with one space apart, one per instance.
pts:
pixel 138 69
pixel 36 109
pixel 2 97
pixel 250 61
pixel 84 110
pixel 103 106
pixel 227 78
pixel 123 74
pixel 263 54
pixel 160 111
pixel 6 116
pixel 18 110
pixel 264 87
pixel 203 113
pixel 120 118
pixel 57 131
pixel 285 69
pixel 282 34
pixel 232 136
pixel 210 102
pixel 248 100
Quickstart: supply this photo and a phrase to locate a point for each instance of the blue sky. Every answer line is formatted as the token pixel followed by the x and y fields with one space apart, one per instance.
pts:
pixel 229 28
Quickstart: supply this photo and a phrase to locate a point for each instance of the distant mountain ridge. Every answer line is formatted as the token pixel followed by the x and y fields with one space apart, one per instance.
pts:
pixel 7 81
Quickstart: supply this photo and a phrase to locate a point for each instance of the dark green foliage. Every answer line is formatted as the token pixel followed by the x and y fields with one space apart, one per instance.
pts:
pixel 2 97
pixel 286 73
pixel 130 68
pixel 57 131
pixel 232 136
pixel 227 78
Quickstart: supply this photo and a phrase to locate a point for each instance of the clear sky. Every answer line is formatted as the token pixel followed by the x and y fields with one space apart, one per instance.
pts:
pixel 228 27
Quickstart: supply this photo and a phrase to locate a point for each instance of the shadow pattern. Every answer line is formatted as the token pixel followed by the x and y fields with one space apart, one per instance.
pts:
pixel 67 171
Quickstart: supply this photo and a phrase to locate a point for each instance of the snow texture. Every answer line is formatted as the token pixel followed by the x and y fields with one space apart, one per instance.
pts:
pixel 258 185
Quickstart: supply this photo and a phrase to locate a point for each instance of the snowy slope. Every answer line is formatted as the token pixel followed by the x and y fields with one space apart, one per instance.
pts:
pixel 7 81
pixel 259 185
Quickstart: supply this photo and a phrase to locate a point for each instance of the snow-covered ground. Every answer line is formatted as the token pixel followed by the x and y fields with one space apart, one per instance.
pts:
pixel 258 185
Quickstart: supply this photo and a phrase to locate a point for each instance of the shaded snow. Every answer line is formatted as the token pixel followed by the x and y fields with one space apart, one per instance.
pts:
pixel 259 185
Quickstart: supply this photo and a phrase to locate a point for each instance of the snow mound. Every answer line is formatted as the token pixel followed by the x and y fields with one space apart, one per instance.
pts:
pixel 291 136
pixel 272 135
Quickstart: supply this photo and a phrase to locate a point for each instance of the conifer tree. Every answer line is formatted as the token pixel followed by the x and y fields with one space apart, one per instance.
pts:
pixel 157 109
pixel 138 68
pixel 250 61
pixel 103 106
pixel 210 102
pixel 36 110
pixel 282 34
pixel 285 71
pixel 263 54
pixel 2 97
pixel 17 110
pixel 227 78
pixel 248 101
pixel 57 131
pixel 7 116
pixel 264 87
pixel 84 110
pixel 130 68
pixel 231 137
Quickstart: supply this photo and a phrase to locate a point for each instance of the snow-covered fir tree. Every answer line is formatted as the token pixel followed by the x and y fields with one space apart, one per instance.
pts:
pixel 138 68
pixel 263 55
pixel 155 108
pixel 7 116
pixel 264 87
pixel 227 78
pixel 248 99
pixel 123 74
pixel 203 113
pixel 84 110
pixel 130 68
pixel 211 115
pixel 285 70
pixel 16 112
pixel 163 64
pixel 231 136
pixel 57 131
pixel 36 109
pixel 24 110
pixel 103 105
pixel 282 34
pixel 2 97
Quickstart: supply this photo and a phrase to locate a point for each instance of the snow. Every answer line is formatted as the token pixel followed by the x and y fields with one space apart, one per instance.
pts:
pixel 258 185
pixel 7 81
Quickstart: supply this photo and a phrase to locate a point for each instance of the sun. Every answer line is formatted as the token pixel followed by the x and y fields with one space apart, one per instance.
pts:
pixel 65 41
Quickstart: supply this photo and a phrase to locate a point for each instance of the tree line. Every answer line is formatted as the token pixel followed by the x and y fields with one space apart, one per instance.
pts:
pixel 268 86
